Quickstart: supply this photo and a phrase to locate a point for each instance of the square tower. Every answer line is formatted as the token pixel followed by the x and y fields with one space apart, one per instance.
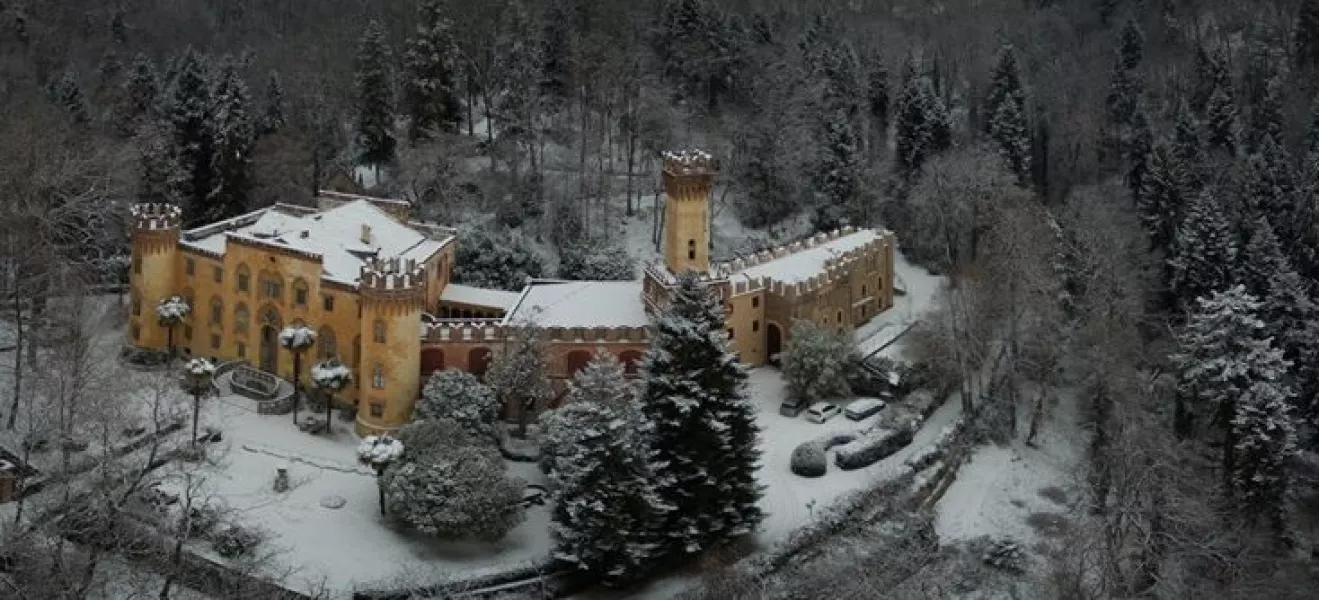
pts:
pixel 688 176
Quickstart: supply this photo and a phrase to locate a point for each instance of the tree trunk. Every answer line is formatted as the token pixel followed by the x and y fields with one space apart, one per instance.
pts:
pixel 1037 416
pixel 659 222
pixel 169 342
pixel 380 490
pixel 196 415
pixel 297 372
pixel 329 410
pixel 18 363
pixel 631 158
pixel 524 412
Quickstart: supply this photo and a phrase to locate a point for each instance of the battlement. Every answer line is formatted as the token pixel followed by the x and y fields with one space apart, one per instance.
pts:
pixel 488 331
pixel 392 275
pixel 689 162
pixel 156 216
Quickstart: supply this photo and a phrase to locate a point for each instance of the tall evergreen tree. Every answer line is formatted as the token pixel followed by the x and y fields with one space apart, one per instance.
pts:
pixel 1266 118
pixel 157 169
pixel 1305 43
pixel 235 133
pixel 1221 122
pixel 1138 147
pixel 68 94
pixel 1265 437
pixel 1271 189
pixel 561 20
pixel 143 87
pixel 1262 260
pixel 922 127
pixel 1211 75
pixel 191 115
pixel 1004 84
pixel 877 98
pixel 704 428
pixel 1131 47
pixel 1204 251
pixel 840 170
pixel 375 97
pixel 1008 129
pixel 1160 203
pixel 1186 145
pixel 430 95
pixel 273 118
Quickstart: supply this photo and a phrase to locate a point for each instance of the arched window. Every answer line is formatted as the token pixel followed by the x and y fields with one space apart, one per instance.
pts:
pixel 217 310
pixel 328 345
pixel 187 299
pixel 378 377
pixel 243 282
pixel 272 286
pixel 300 292
pixel 241 318
pixel 577 360
pixel 691 249
pixel 378 331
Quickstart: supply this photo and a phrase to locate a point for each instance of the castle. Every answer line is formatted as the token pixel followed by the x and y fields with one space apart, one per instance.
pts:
pixel 376 287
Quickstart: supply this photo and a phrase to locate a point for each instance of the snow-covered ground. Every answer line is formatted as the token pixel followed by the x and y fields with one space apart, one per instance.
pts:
pixel 353 546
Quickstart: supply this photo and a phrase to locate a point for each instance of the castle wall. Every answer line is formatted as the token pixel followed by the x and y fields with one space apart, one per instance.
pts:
pixel 393 296
pixel 151 274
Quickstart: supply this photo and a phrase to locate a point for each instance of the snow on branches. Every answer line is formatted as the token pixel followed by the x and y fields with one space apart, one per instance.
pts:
pixel 172 310
pixel 297 337
pixel 331 375
pixel 379 450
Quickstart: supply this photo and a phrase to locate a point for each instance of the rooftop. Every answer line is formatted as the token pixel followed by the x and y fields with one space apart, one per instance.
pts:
pixel 808 262
pixel 475 296
pixel 335 235
pixel 550 303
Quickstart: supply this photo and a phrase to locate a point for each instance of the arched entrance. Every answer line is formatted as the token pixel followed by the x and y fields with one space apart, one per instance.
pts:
pixel 631 360
pixel 577 360
pixel 432 360
pixel 773 342
pixel 478 361
pixel 270 325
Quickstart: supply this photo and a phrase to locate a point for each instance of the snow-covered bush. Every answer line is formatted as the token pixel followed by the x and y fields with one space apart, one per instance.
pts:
pixel 172 310
pixel 596 261
pixel 434 435
pixel 817 362
pixel 554 425
pixel 502 261
pixel 871 447
pixel 459 493
pixel 331 375
pixel 379 451
pixel 811 459
pixel 235 541
pixel 460 396
pixel 297 337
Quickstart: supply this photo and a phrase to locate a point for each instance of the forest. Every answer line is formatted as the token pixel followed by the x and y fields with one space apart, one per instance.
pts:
pixel 1123 194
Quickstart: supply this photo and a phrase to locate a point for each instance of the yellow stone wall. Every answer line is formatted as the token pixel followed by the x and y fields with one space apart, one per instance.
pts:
pixel 151 279
pixel 744 315
pixel 387 406
pixel 687 221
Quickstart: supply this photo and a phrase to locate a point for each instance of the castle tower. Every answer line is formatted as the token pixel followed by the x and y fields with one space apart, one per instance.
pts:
pixel 688 176
pixel 393 295
pixel 155 244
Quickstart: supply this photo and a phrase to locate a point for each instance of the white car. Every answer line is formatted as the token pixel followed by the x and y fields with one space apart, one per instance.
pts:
pixel 862 408
pixel 822 411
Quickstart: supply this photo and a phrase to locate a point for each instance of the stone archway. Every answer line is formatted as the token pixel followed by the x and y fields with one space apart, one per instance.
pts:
pixel 773 342
pixel 577 360
pixel 478 361
pixel 432 360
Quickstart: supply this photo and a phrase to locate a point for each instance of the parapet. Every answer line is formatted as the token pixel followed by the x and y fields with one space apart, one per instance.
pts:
pixel 156 216
pixel 492 331
pixel 689 162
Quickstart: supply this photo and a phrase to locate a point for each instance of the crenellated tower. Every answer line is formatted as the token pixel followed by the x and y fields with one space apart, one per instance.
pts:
pixel 155 263
pixel 688 177
pixel 393 296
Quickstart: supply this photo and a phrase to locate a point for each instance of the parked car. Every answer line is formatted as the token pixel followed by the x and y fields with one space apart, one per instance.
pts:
pixel 863 408
pixel 822 411
pixel 792 407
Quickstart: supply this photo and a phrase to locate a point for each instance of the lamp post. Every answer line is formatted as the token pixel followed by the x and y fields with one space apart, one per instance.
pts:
pixel 297 339
pixel 379 451
pixel 330 376
pixel 197 375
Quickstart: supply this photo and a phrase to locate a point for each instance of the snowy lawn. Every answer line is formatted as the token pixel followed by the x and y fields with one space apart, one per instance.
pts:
pixel 352 546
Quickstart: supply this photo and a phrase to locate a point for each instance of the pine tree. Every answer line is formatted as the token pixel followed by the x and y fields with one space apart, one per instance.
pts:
pixel 430 96
pixel 1131 48
pixel 273 119
pixel 1204 251
pixel 1137 153
pixel 118 29
pixel 1266 118
pixel 1211 75
pixel 561 19
pixel 110 69
pixel 1106 10
pixel 877 97
pixel 235 134
pixel 1221 122
pixel 922 127
pixel 1186 145
pixel 839 171
pixel 1265 436
pixel 1312 132
pixel 1008 129
pixel 1160 203
pixel 704 431
pixel 606 509
pixel 190 113
pixel 1004 85
pixel 375 98
pixel 1306 41
pixel 157 169
pixel 68 94
pixel 143 87
pixel 1262 260
pixel 460 396
pixel 1271 189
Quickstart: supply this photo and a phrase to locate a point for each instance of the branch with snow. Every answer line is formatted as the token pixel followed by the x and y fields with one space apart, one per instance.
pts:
pixel 379 450
pixel 297 337
pixel 330 375
pixel 200 367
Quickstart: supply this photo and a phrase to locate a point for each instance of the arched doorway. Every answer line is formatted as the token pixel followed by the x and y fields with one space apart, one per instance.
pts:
pixel 577 360
pixel 432 360
pixel 631 360
pixel 478 361
pixel 270 325
pixel 773 342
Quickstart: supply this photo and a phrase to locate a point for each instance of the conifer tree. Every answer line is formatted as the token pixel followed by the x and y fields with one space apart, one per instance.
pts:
pixel 1131 48
pixel 1266 117
pixel 191 116
pixel 1137 153
pixel 1210 76
pixel 68 94
pixel 1186 145
pixel 1265 436
pixel 877 97
pixel 704 431
pixel 143 87
pixel 1305 43
pixel 1262 260
pixel 840 170
pixel 1221 122
pixel 375 98
pixel 1008 129
pixel 1312 132
pixel 273 118
pixel 157 169
pixel 606 509
pixel 922 127
pixel 109 69
pixel 235 134
pixel 1004 84
pixel 1204 251
pixel 430 96
pixel 1271 189
pixel 1160 203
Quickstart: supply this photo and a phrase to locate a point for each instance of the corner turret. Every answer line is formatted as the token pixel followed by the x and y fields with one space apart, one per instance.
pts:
pixel 155 261
pixel 393 296
pixel 688 177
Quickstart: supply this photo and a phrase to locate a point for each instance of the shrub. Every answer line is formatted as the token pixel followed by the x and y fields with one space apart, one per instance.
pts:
pixel 203 520
pixel 460 396
pixel 456 493
pixel 817 362
pixel 811 459
pixel 873 446
pixel 504 263
pixel 596 261
pixel 235 541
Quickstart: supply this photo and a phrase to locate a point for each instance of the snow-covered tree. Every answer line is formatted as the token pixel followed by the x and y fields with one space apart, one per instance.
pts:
pixel 877 101
pixel 839 169
pixel 170 313
pixel 606 510
pixel 430 97
pixel 379 452
pixel 1186 146
pixel 519 375
pixel 596 260
pixel 459 493
pixel 143 86
pixel 704 428
pixel 1160 203
pixel 603 381
pixel 1211 75
pixel 1137 148
pixel 921 125
pixel 157 169
pixel 235 134
pixel 1262 260
pixel 1265 436
pixel 1305 40
pixel 1271 189
pixel 1221 122
pixel 457 395
pixel 1004 86
pixel 375 97
pixel 297 339
pixel 68 94
pixel 197 376
pixel 1266 120
pixel 272 119
pixel 502 261
pixel 329 376
pixel 1204 251
pixel 190 112
pixel 1008 129
pixel 817 362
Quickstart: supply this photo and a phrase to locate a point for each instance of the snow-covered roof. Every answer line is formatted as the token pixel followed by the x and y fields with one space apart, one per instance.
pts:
pixel 808 262
pixel 335 235
pixel 475 296
pixel 580 304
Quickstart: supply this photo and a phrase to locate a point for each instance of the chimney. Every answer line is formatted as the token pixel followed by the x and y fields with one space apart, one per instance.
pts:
pixel 366 233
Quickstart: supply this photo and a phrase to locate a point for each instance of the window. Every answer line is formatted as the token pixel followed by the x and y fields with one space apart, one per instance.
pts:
pixel 241 318
pixel 242 350
pixel 215 341
pixel 187 332
pixel 840 316
pixel 691 249
pixel 217 310
pixel 217 274
pixel 378 377
pixel 189 266
pixel 137 265
pixel 137 331
pixel 755 326
pixel 863 290
pixel 377 409
pixel 244 279
pixel 300 292
pixel 730 333
pixel 378 332
pixel 327 303
pixel 755 302
pixel 137 307
pixel 272 286
pixel 328 345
